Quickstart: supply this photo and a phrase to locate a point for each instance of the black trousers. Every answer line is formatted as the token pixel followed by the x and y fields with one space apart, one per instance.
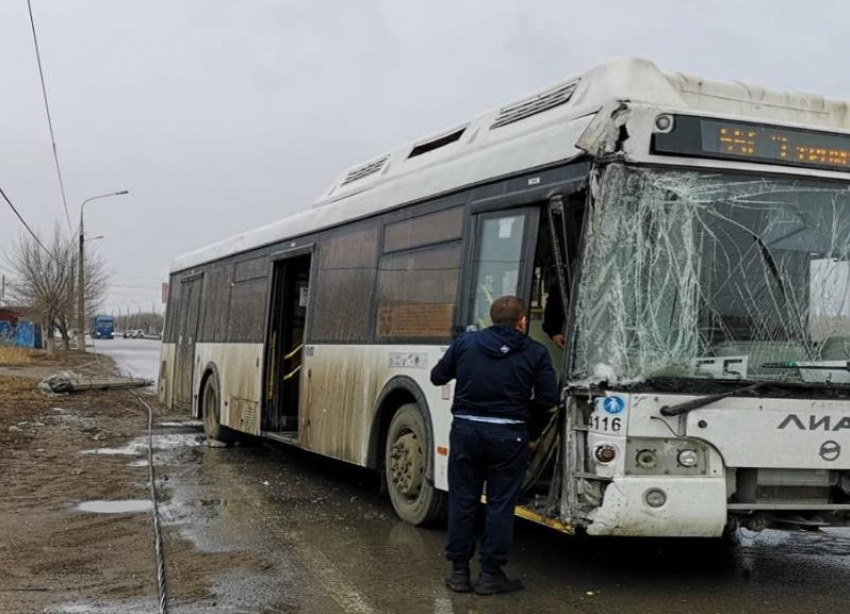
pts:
pixel 479 453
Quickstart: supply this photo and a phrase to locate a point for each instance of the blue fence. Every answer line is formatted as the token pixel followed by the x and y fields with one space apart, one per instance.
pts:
pixel 25 334
pixel 7 333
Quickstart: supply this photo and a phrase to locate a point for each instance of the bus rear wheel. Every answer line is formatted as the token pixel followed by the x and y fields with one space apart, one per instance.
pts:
pixel 211 406
pixel 414 498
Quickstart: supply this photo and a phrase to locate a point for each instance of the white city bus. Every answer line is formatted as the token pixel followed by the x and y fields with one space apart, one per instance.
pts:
pixel 698 235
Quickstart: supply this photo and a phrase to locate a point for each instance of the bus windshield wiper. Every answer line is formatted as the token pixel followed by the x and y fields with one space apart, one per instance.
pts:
pixel 689 406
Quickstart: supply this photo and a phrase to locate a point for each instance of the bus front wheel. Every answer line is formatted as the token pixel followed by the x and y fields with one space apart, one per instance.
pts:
pixel 211 405
pixel 414 498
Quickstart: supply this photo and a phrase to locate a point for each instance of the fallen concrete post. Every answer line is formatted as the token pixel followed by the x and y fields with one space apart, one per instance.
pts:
pixel 67 381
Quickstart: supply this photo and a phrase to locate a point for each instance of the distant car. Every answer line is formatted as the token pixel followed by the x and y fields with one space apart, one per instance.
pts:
pixel 139 334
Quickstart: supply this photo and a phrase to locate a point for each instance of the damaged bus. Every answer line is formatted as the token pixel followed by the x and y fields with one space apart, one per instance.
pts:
pixel 697 237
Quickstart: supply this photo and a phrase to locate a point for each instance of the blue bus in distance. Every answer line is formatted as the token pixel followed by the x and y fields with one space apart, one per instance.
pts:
pixel 103 327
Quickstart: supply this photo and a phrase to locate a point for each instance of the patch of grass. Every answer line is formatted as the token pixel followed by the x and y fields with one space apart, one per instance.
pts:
pixel 10 355
pixel 15 388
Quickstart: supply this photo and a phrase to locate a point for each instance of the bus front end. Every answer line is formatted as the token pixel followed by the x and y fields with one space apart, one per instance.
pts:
pixel 753 462
pixel 709 386
pixel 103 327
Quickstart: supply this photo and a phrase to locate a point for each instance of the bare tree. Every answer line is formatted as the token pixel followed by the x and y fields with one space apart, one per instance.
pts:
pixel 46 281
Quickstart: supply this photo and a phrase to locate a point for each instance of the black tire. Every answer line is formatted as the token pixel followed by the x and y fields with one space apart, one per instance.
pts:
pixel 211 408
pixel 415 499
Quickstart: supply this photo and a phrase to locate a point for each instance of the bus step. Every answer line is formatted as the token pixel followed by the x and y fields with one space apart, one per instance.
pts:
pixel 290 437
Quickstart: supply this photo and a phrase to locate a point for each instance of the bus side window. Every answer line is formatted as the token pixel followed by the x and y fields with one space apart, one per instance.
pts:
pixel 498 264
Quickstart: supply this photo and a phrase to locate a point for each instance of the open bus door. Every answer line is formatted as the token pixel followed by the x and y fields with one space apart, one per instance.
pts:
pixel 566 217
pixel 516 252
pixel 285 344
pixel 549 487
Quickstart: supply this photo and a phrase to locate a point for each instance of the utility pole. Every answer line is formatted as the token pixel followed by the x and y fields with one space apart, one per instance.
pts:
pixel 81 279
pixel 81 289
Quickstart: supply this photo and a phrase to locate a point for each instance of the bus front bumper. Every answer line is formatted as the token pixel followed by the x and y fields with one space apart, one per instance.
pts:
pixel 661 507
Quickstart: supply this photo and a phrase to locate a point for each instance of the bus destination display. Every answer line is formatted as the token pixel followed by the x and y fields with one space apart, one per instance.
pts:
pixel 754 142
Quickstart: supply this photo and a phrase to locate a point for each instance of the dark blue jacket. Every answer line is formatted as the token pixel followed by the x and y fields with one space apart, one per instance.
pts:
pixel 500 372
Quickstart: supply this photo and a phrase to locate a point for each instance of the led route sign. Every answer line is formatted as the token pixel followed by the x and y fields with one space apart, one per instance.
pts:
pixel 754 142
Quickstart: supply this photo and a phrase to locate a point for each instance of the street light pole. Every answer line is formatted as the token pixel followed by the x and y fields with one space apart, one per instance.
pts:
pixel 81 273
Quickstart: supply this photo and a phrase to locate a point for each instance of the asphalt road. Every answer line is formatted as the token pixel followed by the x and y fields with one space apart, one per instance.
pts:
pixel 332 544
pixel 137 357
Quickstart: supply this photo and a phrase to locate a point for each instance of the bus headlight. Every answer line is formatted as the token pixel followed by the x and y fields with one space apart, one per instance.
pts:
pixel 688 458
pixel 605 453
pixel 656 456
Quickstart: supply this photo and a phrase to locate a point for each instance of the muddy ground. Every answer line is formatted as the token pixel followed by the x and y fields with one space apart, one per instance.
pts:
pixel 265 529
pixel 54 555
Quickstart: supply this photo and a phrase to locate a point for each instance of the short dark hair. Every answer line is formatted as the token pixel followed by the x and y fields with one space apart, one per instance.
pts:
pixel 507 310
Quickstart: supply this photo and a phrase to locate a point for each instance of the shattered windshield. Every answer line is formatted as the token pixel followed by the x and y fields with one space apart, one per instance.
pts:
pixel 715 275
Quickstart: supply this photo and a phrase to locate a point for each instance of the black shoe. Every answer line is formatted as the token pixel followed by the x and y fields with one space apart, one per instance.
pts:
pixel 460 581
pixel 490 583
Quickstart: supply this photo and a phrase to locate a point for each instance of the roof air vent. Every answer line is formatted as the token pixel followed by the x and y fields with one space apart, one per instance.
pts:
pixel 364 171
pixel 537 104
pixel 436 143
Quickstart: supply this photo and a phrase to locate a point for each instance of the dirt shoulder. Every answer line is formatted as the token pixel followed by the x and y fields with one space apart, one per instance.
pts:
pixel 54 455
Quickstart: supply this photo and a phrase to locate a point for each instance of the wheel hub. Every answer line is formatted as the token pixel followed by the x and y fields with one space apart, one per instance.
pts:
pixel 406 466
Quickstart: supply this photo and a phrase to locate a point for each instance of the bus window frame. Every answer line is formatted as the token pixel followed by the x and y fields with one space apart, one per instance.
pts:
pixel 436 205
pixel 528 249
pixel 422 249
pixel 317 240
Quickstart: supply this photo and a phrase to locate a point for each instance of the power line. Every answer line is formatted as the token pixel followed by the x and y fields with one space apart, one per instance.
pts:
pixel 49 120
pixel 27 226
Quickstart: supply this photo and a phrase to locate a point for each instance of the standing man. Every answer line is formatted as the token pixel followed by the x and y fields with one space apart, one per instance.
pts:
pixel 500 374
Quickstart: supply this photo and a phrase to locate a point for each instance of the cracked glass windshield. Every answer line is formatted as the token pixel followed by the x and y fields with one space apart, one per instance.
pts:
pixel 715 275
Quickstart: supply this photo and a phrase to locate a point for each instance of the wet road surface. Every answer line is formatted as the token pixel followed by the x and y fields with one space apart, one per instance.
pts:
pixel 138 357
pixel 336 546
pixel 332 544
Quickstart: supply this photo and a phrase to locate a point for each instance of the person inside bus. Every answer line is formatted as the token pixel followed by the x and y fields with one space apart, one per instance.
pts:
pixel 553 316
pixel 501 376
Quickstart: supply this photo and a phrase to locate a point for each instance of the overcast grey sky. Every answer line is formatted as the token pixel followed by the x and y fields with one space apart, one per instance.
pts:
pixel 222 115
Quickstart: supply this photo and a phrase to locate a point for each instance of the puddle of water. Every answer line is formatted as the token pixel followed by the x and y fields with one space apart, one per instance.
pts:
pixel 128 450
pixel 193 423
pixel 115 507
pixel 168 441
pixel 229 595
pixel 125 607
